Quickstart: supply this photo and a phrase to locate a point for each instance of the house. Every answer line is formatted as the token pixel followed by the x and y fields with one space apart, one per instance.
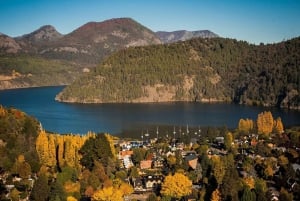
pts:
pixel 125 153
pixel 153 182
pixel 138 184
pixel 127 162
pixel 192 161
pixel 146 164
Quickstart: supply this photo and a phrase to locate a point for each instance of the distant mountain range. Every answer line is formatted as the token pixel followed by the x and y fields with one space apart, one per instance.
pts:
pixel 88 44
pixel 183 35
pixel 93 41
pixel 47 57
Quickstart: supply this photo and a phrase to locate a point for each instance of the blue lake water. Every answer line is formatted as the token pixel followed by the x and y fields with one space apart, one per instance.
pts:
pixel 113 118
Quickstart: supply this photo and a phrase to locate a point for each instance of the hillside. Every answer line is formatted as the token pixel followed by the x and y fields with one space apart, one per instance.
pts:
pixel 18 133
pixel 22 71
pixel 183 35
pixel 196 70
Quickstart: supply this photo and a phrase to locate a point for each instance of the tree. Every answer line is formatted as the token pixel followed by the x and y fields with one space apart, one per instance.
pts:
pixel 176 186
pixel 96 149
pixel 265 123
pixel 71 198
pixel 278 126
pixel 285 195
pixel 216 195
pixel 218 168
pixel 107 194
pixel 228 140
pixel 245 125
pixel 249 182
pixel 248 195
pixel 40 190
pixel 260 189
pixel 21 167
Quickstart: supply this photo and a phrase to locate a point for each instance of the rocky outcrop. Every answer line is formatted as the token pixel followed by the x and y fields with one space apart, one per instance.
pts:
pixel 183 35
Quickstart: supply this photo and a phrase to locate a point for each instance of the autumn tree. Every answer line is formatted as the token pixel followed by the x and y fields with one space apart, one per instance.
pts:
pixel 21 167
pixel 265 123
pixel 107 194
pixel 176 186
pixel 3 111
pixel 228 140
pixel 245 125
pixel 60 150
pixel 216 195
pixel 218 168
pixel 42 147
pixel 249 182
pixel 278 126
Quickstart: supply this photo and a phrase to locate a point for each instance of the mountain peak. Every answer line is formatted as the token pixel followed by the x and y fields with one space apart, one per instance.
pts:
pixel 44 33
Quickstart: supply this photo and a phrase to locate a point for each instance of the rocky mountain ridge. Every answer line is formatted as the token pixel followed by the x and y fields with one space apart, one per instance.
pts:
pixel 88 44
pixel 183 35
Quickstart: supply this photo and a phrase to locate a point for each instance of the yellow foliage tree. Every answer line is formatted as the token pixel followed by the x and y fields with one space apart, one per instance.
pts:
pixel 245 125
pixel 3 111
pixel 278 126
pixel 176 186
pixel 42 147
pixel 108 194
pixel 250 182
pixel 265 123
pixel 110 139
pixel 51 158
pixel 71 198
pixel 62 150
pixel 218 168
pixel 216 195
pixel 71 187
pixel 126 189
pixel 283 161
pixel 21 167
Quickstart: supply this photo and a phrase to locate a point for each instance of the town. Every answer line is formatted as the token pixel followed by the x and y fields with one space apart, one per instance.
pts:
pixel 259 160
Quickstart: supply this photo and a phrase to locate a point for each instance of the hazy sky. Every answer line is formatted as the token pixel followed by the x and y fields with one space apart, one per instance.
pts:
pixel 255 21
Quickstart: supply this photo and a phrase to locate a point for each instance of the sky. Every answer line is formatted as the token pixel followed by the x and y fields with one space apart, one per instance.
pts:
pixel 255 21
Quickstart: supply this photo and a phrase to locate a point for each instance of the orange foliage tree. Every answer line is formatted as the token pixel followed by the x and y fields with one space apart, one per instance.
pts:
pixel 265 123
pixel 246 125
pixel 278 126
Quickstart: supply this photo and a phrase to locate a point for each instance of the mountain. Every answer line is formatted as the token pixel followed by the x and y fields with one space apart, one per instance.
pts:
pixel 88 44
pixel 46 57
pixel 8 45
pixel 183 35
pixel 43 34
pixel 205 70
pixel 93 41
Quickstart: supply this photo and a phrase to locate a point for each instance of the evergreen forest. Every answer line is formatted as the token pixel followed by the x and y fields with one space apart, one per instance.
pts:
pixel 206 70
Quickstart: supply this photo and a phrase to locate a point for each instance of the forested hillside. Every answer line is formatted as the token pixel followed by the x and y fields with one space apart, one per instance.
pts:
pixel 20 70
pixel 214 69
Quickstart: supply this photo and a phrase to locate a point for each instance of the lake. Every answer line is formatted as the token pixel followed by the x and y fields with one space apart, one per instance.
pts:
pixel 114 118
